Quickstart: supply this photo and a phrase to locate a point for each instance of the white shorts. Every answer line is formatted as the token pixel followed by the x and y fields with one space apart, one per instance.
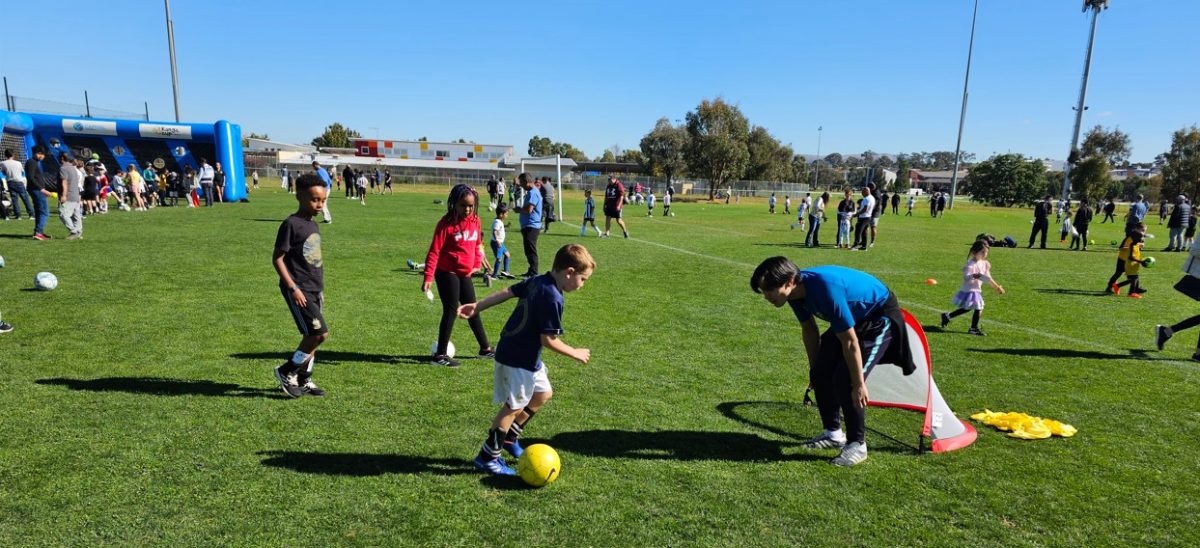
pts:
pixel 874 221
pixel 515 386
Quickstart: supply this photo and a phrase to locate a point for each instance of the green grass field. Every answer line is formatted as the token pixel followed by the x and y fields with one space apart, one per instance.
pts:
pixel 139 406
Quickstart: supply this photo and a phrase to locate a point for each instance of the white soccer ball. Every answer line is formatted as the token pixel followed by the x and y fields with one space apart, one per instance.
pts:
pixel 1 262
pixel 449 349
pixel 45 281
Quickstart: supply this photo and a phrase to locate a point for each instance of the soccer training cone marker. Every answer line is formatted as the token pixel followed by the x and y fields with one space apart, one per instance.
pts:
pixel 930 281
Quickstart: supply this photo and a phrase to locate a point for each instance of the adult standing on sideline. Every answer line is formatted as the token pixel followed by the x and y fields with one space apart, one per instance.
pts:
pixel 1083 218
pixel 883 202
pixel 531 222
pixel 324 175
pixel 207 174
pixel 40 181
pixel 866 207
pixel 941 204
pixel 895 203
pixel 15 174
pixel 547 189
pixel 866 328
pixel 933 199
pixel 1041 220
pixel 1137 212
pixel 348 178
pixel 70 204
pixel 614 203
pixel 815 215
pixel 1181 218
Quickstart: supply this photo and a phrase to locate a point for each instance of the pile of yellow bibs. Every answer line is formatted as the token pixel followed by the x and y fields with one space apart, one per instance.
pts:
pixel 1022 426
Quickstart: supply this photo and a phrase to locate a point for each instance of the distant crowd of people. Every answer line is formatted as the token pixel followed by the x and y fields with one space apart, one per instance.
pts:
pixel 85 187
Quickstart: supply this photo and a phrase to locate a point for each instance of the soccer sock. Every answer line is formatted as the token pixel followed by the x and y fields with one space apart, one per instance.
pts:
pixel 298 361
pixel 957 313
pixel 505 263
pixel 518 427
pixel 491 445
pixel 975 319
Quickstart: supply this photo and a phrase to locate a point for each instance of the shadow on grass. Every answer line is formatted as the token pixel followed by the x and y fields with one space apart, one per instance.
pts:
pixel 1058 291
pixel 676 445
pixel 264 220
pixel 794 244
pixel 1054 353
pixel 337 356
pixel 364 464
pixel 740 411
pixel 17 236
pixel 163 387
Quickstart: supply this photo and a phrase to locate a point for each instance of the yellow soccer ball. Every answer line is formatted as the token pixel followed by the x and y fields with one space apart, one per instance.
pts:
pixel 539 465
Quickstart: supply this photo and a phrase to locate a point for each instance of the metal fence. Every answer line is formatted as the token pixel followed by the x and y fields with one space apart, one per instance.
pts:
pixel 30 104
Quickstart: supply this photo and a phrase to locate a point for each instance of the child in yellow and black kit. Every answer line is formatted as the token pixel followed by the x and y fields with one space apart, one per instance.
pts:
pixel 1111 288
pixel 1131 249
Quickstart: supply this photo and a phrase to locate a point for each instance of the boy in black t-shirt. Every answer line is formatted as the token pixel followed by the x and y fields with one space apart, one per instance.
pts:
pixel 520 384
pixel 297 259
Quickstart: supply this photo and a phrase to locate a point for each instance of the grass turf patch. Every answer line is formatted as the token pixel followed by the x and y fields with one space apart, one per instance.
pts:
pixel 140 407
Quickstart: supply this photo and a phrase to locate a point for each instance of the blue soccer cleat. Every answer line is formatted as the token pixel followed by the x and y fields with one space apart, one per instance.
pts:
pixel 495 467
pixel 514 448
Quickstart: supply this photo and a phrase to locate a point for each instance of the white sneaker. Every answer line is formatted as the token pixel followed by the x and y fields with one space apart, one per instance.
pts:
pixel 852 454
pixel 827 440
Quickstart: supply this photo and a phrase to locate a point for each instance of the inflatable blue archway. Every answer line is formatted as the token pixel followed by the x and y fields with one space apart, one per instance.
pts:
pixel 123 142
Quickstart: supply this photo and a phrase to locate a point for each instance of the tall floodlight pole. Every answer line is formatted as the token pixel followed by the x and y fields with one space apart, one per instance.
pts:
pixel 1095 6
pixel 962 116
pixel 171 46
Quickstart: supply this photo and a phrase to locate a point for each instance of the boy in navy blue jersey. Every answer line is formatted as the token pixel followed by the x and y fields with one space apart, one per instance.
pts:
pixel 520 382
pixel 297 259
pixel 866 328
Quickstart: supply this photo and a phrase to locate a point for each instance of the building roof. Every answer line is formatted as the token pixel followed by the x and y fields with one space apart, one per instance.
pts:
pixel 367 161
pixel 255 143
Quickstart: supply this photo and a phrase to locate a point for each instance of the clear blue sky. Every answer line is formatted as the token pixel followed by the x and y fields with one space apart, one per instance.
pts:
pixel 879 75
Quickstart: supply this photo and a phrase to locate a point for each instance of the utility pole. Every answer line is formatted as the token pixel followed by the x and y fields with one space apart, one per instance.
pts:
pixel 962 116
pixel 1096 6
pixel 174 68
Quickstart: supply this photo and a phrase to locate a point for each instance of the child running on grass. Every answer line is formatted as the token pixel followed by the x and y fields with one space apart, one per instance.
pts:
pixel 520 384
pixel 1133 266
pixel 1123 254
pixel 970 295
pixel 455 252
pixel 297 259
pixel 1188 285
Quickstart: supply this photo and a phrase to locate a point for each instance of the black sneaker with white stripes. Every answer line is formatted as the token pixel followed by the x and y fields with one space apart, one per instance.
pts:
pixel 445 360
pixel 288 382
pixel 310 388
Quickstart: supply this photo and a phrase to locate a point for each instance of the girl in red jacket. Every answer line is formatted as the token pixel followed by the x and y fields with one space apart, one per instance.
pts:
pixel 456 252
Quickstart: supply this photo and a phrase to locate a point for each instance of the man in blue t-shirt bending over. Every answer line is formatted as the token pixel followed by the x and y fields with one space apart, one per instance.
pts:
pixel 864 321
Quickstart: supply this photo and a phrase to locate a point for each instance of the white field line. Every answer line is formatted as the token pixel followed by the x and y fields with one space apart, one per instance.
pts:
pixel 914 304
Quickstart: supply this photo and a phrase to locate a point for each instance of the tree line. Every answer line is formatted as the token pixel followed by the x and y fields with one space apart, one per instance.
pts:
pixel 1013 179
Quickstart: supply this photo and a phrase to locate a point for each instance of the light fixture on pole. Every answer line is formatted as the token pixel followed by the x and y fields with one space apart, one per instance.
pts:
pixel 962 116
pixel 1096 6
